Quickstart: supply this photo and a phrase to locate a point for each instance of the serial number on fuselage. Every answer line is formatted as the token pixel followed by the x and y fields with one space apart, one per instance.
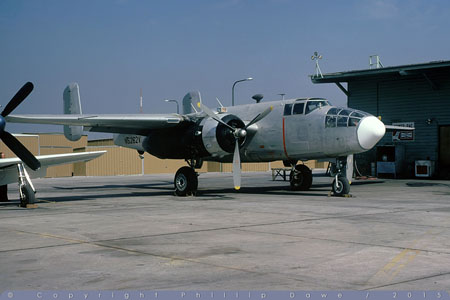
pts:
pixel 132 140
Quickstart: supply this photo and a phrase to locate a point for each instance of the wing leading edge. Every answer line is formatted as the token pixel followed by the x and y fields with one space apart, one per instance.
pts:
pixel 140 124
pixel 8 169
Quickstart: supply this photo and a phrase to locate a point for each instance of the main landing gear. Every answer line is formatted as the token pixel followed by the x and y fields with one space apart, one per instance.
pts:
pixel 26 188
pixel 301 178
pixel 186 179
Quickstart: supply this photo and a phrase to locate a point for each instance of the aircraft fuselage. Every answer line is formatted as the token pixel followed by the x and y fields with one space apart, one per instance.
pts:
pixel 297 129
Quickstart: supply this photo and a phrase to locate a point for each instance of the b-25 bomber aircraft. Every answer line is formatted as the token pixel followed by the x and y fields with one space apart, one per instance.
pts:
pixel 292 130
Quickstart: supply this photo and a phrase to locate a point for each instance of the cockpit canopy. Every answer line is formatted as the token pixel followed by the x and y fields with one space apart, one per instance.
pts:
pixel 343 117
pixel 304 106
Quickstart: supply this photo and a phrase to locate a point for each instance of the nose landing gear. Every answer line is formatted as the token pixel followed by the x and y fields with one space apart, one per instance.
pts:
pixel 341 185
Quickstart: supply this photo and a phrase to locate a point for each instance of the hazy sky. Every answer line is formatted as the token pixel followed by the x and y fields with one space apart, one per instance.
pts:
pixel 167 48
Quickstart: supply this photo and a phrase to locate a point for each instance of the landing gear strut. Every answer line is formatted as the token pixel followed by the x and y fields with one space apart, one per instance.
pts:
pixel 341 185
pixel 186 181
pixel 301 178
pixel 26 188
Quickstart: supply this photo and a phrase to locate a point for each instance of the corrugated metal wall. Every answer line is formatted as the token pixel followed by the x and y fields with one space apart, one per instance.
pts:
pixel 405 99
pixel 31 142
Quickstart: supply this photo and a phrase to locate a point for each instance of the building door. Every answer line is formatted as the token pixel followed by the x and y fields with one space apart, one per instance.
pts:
pixel 444 151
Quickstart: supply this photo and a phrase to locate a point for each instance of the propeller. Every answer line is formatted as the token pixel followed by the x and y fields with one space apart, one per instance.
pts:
pixel 238 134
pixel 14 144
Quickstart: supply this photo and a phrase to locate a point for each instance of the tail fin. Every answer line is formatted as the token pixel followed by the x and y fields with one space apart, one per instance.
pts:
pixel 72 105
pixel 190 102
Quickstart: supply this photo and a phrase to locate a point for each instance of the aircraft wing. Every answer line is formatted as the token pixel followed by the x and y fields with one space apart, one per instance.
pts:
pixel 8 166
pixel 140 124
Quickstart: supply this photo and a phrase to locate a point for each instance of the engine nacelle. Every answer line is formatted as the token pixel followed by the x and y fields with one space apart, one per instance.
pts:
pixel 197 139
pixel 182 142
pixel 217 138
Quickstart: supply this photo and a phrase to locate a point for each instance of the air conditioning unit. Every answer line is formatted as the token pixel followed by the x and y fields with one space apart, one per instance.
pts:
pixel 424 168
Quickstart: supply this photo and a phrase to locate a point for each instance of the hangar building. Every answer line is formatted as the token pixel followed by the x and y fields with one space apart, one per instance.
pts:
pixel 416 95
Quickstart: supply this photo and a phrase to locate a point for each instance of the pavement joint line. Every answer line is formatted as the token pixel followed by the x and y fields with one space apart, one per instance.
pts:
pixel 348 242
pixel 407 281
pixel 401 260
pixel 228 228
pixel 170 258
pixel 225 228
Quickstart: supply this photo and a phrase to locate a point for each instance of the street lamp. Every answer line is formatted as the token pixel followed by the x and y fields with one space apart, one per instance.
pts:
pixel 232 89
pixel 178 106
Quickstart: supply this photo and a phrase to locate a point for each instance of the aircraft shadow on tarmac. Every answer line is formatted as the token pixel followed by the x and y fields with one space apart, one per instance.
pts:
pixel 165 188
pixel 112 186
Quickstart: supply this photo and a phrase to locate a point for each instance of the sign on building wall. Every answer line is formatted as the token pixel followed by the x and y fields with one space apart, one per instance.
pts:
pixel 403 135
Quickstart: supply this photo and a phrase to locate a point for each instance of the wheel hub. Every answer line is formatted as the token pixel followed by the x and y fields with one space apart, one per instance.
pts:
pixel 181 182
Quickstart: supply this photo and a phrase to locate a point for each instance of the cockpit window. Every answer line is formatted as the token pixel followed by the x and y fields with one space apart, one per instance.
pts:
pixel 342 121
pixel 315 104
pixel 298 108
pixel 333 111
pixel 357 114
pixel 353 121
pixel 345 112
pixel 343 117
pixel 330 121
pixel 287 109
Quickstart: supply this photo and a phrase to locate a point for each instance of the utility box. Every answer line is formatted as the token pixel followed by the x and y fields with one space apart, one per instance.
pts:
pixel 424 168
pixel 390 160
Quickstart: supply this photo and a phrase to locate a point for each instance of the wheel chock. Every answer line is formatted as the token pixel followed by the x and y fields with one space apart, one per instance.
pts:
pixel 332 194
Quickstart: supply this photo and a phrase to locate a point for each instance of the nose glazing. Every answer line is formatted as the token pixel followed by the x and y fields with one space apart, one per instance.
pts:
pixel 370 131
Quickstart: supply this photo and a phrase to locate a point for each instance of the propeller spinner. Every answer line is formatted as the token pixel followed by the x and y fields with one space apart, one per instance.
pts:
pixel 17 147
pixel 238 134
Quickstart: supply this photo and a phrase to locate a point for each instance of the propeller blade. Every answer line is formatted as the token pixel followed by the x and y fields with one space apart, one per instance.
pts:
pixel 259 117
pixel 237 166
pixel 26 156
pixel 18 98
pixel 212 115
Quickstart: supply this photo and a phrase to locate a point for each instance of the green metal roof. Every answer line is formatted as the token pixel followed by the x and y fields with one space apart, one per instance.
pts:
pixel 380 72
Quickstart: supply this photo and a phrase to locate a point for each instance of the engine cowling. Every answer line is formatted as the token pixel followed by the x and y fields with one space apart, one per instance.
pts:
pixel 218 139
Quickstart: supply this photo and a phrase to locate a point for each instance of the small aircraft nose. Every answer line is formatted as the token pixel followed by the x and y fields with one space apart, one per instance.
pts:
pixel 370 131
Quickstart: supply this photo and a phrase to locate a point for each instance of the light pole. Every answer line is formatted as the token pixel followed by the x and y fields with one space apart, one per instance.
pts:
pixel 178 106
pixel 232 89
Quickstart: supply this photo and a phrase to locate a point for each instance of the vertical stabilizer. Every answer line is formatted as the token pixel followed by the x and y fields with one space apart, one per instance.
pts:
pixel 190 101
pixel 72 105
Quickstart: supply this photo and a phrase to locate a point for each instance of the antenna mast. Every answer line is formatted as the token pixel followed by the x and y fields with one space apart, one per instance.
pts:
pixel 140 104
pixel 316 57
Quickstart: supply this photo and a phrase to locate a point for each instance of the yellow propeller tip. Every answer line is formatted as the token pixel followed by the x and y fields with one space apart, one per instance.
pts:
pixel 199 104
pixel 237 188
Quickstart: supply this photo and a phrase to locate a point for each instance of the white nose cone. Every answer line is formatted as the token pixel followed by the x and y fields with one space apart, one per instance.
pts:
pixel 370 131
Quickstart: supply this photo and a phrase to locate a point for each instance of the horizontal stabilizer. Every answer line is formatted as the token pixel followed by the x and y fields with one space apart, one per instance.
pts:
pixel 393 127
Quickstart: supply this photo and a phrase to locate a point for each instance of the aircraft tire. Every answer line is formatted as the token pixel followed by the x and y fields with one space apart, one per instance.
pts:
pixel 185 181
pixel 28 195
pixel 343 186
pixel 301 179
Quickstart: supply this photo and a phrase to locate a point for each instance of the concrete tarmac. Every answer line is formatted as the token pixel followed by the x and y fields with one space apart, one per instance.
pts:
pixel 131 232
